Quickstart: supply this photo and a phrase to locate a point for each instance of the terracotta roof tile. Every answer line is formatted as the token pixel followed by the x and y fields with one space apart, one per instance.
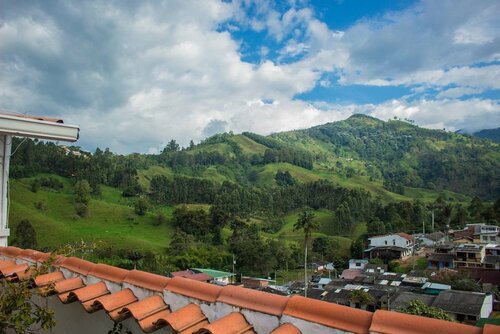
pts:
pixel 11 251
pixel 146 311
pixel 194 289
pixel 88 293
pixel 152 313
pixel 406 236
pixel 114 302
pixel 77 265
pixel 27 254
pixel 8 263
pixel 109 273
pixel 253 300
pixel 10 270
pixel 233 323
pixel 149 324
pixel 68 285
pixel 187 319
pixel 23 275
pixel 33 255
pixel 386 322
pixel 491 329
pixel 328 314
pixel 49 278
pixel 147 280
pixel 286 329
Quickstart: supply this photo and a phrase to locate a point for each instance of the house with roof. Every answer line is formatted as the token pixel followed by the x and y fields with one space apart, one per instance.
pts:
pixel 402 299
pixel 442 257
pixel 218 276
pixel 430 239
pixel 431 288
pixel 197 276
pixel 469 255
pixel 465 306
pixel 390 246
pixel 377 299
pixel 358 263
pixel 491 258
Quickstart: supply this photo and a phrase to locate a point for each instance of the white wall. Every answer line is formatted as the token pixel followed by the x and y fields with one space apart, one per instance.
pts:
pixel 487 306
pixel 389 240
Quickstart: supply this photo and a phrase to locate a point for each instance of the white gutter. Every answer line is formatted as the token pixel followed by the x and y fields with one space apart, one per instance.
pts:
pixel 33 128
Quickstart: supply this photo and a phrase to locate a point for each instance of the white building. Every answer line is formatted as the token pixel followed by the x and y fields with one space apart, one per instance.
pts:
pixel 357 263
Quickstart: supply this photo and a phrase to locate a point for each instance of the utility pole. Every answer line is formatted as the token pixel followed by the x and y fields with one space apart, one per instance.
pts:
pixel 305 272
pixel 432 220
pixel 234 262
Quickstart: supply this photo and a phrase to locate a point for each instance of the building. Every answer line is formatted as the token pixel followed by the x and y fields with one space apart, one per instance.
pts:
pixel 255 282
pixel 465 306
pixel 403 299
pixel 469 255
pixel 358 263
pixel 88 298
pixel 202 277
pixel 430 239
pixel 219 277
pixel 402 240
pixel 435 288
pixel 390 246
pixel 477 233
pixel 442 257
pixel 492 257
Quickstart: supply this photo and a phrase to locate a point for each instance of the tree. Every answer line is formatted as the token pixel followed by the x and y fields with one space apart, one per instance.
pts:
pixel 306 223
pixel 141 206
pixel 284 179
pixel 361 297
pixel 82 197
pixel 172 146
pixel 357 248
pixel 25 235
pixel 417 307
pixel 82 192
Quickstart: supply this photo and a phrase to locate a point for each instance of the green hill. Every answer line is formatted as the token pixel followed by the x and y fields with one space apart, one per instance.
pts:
pixel 111 218
pixel 349 173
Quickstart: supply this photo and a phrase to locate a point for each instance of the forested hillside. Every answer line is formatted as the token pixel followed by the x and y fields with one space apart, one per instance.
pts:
pixel 360 177
pixel 491 134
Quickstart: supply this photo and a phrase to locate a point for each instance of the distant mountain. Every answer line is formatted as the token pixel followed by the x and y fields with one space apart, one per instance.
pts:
pixel 491 134
pixel 393 160
pixel 403 154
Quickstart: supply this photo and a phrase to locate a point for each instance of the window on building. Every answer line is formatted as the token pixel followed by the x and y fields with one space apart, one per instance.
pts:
pixel 385 242
pixel 394 241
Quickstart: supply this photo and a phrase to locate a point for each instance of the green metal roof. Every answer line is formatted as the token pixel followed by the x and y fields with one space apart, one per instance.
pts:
pixel 214 273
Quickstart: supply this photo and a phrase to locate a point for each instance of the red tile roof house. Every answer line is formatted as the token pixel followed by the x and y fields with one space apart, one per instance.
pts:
pixel 88 297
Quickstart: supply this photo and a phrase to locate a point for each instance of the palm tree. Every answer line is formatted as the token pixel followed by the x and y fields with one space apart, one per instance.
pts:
pixel 306 223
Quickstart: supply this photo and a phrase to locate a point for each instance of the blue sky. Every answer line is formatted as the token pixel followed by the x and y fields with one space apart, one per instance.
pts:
pixel 135 74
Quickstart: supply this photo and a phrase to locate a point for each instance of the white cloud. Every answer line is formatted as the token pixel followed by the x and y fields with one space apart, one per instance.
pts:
pixel 135 77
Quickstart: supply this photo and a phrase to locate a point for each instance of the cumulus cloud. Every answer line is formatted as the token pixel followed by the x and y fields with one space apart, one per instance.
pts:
pixel 135 75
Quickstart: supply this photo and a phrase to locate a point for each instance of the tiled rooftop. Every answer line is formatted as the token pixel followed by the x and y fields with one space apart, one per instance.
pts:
pixel 179 305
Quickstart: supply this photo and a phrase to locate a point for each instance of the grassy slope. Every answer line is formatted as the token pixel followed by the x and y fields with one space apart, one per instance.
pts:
pixel 110 219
